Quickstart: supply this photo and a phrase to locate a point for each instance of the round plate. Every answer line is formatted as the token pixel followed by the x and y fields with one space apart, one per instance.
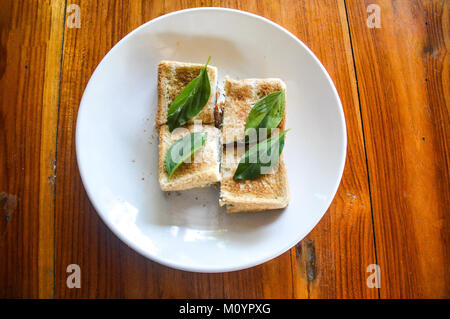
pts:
pixel 117 145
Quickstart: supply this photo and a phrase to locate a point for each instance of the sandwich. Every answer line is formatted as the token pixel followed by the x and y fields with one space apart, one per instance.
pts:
pixel 240 98
pixel 200 169
pixel 173 77
pixel 250 168
pixel 268 191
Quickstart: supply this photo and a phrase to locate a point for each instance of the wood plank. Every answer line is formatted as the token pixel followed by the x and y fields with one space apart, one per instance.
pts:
pixel 331 261
pixel 403 75
pixel 30 48
pixel 50 103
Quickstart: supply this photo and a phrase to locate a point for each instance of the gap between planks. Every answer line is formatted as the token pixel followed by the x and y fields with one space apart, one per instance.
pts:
pixel 363 133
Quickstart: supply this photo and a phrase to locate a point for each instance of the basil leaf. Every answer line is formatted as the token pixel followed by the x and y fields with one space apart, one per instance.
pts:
pixel 266 113
pixel 259 157
pixel 183 149
pixel 190 101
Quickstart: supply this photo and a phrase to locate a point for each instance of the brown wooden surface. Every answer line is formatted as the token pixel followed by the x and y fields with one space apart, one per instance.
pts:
pixel 30 49
pixel 405 107
pixel 392 207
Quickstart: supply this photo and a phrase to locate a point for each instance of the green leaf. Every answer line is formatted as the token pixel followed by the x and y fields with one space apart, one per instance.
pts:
pixel 183 149
pixel 260 156
pixel 190 101
pixel 266 113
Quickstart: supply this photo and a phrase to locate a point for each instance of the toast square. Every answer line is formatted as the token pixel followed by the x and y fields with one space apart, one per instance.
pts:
pixel 240 97
pixel 269 191
pixel 172 79
pixel 202 172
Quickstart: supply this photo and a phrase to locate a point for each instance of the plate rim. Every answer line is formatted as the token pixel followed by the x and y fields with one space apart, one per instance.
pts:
pixel 209 269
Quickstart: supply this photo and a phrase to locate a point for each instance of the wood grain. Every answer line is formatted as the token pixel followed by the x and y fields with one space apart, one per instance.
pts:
pixel 49 120
pixel 29 54
pixel 331 261
pixel 403 76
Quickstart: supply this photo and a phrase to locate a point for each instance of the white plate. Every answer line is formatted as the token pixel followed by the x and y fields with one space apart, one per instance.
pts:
pixel 117 145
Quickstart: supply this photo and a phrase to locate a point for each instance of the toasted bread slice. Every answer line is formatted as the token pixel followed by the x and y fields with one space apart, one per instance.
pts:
pixel 269 191
pixel 240 97
pixel 204 167
pixel 173 78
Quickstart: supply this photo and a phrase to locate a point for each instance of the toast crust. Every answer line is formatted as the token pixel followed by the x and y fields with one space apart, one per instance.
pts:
pixel 269 191
pixel 190 175
pixel 172 79
pixel 240 97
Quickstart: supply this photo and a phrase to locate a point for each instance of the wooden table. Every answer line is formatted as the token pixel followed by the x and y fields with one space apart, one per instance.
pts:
pixel 392 208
